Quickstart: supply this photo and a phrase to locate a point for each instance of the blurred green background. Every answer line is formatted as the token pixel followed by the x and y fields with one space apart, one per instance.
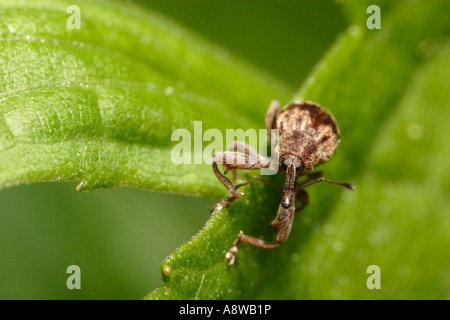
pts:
pixel 119 237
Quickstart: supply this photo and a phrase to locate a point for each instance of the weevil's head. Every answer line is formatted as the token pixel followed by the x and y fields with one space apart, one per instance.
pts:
pixel 298 153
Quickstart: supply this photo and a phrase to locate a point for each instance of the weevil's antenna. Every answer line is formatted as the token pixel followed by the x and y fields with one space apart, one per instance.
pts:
pixel 343 184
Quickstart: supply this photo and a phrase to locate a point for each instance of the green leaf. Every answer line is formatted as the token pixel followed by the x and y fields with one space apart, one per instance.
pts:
pixel 98 105
pixel 389 91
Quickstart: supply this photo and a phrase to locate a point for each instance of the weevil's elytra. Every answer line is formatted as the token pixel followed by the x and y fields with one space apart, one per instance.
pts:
pixel 308 136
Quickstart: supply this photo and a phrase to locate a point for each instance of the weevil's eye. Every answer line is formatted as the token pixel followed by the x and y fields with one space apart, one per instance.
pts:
pixel 297 164
pixel 285 163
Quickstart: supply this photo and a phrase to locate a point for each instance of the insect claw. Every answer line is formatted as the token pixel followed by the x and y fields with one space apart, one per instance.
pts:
pixel 231 255
pixel 349 186
pixel 231 258
pixel 236 194
pixel 218 206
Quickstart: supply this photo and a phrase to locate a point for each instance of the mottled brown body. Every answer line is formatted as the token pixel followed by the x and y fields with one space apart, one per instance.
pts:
pixel 308 136
pixel 308 131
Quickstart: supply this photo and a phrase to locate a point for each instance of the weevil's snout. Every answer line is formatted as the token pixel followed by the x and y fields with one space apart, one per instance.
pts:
pixel 290 165
pixel 286 201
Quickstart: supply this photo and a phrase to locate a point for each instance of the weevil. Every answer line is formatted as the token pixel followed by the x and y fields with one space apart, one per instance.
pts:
pixel 308 136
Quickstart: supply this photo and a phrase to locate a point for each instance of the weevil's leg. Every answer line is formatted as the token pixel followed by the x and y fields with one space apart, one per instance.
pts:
pixel 271 115
pixel 234 173
pixel 344 184
pixel 225 181
pixel 303 197
pixel 233 188
pixel 222 203
pixel 229 185
pixel 242 147
pixel 221 157
pixel 225 201
pixel 231 254
pixel 238 160
pixel 282 225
